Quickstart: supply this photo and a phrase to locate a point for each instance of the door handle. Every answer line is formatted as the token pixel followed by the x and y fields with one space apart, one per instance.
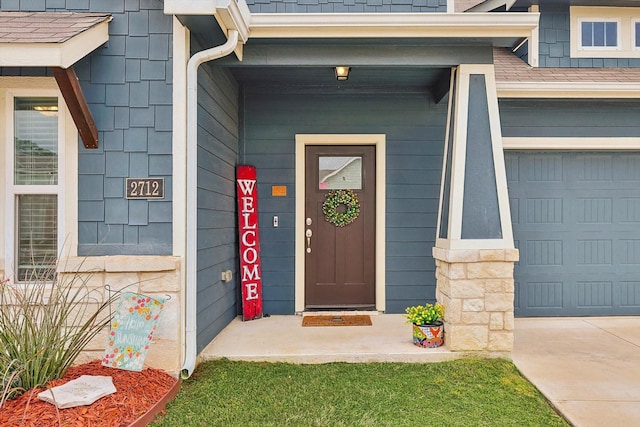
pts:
pixel 308 234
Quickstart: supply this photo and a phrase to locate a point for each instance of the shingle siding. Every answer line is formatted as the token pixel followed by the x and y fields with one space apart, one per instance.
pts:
pixel 129 92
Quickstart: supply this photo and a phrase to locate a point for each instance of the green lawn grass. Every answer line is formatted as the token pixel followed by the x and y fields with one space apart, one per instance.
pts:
pixel 466 392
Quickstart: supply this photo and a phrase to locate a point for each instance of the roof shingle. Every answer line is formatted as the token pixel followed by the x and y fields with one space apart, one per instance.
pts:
pixel 45 27
pixel 509 68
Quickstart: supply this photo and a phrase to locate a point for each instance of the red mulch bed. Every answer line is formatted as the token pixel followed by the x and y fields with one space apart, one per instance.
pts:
pixel 137 394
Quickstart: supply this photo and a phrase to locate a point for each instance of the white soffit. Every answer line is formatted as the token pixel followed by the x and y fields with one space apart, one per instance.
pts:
pixel 57 48
pixel 392 25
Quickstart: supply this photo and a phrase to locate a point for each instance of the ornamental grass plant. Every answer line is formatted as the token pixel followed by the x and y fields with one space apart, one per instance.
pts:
pixel 45 322
pixel 428 314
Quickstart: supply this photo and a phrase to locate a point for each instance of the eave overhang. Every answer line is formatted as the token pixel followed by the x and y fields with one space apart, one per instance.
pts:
pixel 230 15
pixel 56 40
pixel 235 15
pixel 38 49
pixel 393 25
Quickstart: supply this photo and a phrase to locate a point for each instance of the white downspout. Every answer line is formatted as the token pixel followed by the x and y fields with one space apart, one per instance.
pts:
pixel 192 194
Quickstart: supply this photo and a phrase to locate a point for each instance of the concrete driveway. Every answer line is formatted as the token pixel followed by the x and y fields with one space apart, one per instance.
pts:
pixel 589 368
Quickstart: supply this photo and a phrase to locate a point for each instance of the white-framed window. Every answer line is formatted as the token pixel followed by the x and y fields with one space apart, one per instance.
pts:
pixel 601 34
pixel 605 32
pixel 35 140
pixel 636 33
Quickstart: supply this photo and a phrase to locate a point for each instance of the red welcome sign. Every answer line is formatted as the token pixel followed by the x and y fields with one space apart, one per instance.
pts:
pixel 250 272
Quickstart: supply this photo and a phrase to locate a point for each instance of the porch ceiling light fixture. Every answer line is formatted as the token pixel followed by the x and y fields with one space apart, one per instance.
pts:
pixel 342 73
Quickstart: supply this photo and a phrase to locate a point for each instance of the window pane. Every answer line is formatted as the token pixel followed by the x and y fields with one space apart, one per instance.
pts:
pixel 637 34
pixel 587 34
pixel 598 34
pixel 611 34
pixel 36 141
pixel 340 173
pixel 37 236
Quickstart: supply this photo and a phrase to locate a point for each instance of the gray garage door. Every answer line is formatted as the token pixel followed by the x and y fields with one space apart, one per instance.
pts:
pixel 576 221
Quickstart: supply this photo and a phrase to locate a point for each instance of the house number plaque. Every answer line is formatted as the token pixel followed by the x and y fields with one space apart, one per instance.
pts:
pixel 145 188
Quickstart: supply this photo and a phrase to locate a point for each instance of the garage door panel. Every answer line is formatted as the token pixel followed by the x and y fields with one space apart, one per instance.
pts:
pixel 543 294
pixel 630 294
pixel 629 210
pixel 576 221
pixel 628 168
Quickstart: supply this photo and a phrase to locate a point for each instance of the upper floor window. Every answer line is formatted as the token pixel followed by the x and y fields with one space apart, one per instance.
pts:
pixel 605 32
pixel 599 34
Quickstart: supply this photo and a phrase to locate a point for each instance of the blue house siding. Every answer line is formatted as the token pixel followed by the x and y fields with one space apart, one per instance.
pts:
pixel 575 118
pixel 555 49
pixel 217 246
pixel 414 129
pixel 347 6
pixel 127 84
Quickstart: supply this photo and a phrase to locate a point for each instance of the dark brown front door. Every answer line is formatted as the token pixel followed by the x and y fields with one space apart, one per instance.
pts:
pixel 339 260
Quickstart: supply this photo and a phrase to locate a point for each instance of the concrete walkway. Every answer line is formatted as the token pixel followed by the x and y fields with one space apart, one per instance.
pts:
pixel 588 367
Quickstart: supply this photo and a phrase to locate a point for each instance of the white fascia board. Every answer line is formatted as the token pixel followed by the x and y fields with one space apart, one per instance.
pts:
pixel 392 25
pixel 62 55
pixel 234 16
pixel 190 7
pixel 568 90
pixel 230 14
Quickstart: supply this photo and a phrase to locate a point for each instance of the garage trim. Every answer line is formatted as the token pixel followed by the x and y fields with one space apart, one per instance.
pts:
pixel 568 143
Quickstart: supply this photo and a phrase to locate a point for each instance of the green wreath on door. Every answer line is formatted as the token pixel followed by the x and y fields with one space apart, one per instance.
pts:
pixel 336 198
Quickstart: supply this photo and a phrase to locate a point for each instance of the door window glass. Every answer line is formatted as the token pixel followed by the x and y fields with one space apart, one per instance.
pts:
pixel 338 173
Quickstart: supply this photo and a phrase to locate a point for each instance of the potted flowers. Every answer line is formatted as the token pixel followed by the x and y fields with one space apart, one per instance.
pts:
pixel 428 329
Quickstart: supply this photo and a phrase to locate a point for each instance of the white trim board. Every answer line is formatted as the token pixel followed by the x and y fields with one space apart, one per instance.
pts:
pixel 392 25
pixel 379 141
pixel 568 89
pixel 570 143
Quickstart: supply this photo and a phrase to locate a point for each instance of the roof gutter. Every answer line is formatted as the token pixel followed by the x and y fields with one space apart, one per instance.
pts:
pixel 392 25
pixel 192 194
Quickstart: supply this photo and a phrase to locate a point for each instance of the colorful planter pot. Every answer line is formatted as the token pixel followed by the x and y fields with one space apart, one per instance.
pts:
pixel 428 336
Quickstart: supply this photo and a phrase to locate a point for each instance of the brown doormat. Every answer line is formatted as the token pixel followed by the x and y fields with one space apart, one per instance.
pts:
pixel 345 320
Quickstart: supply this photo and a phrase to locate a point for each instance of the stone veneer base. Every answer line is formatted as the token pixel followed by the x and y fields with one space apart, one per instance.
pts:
pixel 476 288
pixel 157 276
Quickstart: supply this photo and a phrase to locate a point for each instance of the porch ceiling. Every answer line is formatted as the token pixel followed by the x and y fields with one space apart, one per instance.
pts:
pixel 419 79
pixel 398 65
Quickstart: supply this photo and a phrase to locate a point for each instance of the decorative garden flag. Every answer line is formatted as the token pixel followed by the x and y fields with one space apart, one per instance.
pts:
pixel 132 330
